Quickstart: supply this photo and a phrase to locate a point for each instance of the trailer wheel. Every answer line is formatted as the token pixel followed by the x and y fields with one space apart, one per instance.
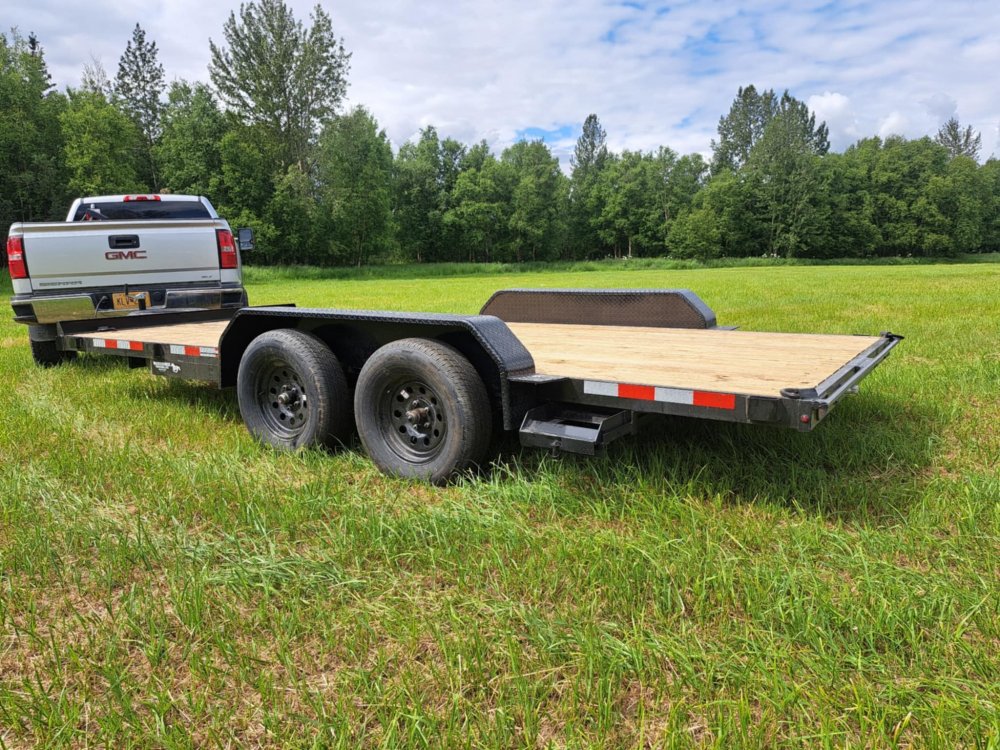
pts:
pixel 46 351
pixel 292 391
pixel 422 410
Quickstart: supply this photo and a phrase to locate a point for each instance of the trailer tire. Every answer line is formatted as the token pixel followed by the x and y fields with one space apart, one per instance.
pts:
pixel 422 411
pixel 292 392
pixel 46 351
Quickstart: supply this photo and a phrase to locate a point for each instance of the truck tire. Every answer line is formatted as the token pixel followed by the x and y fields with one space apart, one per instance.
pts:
pixel 422 411
pixel 292 392
pixel 44 350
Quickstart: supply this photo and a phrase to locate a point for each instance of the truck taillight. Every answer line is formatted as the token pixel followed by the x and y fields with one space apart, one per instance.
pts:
pixel 227 249
pixel 16 263
pixel 130 198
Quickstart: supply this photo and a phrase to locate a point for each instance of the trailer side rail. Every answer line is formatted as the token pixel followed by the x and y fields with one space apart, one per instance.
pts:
pixel 800 409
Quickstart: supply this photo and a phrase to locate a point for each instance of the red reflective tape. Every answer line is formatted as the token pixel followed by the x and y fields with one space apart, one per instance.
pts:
pixel 715 400
pixel 638 392
pixel 192 351
pixel 135 346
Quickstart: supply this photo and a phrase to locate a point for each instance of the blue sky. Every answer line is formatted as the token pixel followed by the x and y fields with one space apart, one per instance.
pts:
pixel 655 73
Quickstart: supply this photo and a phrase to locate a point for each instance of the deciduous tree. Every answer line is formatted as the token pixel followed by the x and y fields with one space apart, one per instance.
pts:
pixel 189 149
pixel 481 207
pixel 355 173
pixel 536 202
pixel 743 127
pixel 32 176
pixel 102 145
pixel 275 73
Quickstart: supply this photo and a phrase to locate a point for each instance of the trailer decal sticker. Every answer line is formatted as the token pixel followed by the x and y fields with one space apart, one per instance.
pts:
pixel 675 396
pixel 194 351
pixel 638 392
pixel 707 399
pixel 133 346
pixel 715 400
pixel 597 388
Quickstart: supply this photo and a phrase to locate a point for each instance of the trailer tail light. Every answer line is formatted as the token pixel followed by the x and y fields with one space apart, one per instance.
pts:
pixel 131 198
pixel 227 249
pixel 16 262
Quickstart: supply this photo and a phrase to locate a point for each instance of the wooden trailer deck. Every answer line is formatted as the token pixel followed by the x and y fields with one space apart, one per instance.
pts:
pixel 746 362
pixel 185 334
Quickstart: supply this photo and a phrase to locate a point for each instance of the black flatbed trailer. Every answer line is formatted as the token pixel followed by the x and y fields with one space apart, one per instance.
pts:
pixel 570 370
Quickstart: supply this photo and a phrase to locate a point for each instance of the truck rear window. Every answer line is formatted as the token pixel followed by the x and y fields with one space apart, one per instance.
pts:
pixel 118 211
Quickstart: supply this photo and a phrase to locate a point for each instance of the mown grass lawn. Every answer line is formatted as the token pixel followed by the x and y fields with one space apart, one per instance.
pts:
pixel 166 582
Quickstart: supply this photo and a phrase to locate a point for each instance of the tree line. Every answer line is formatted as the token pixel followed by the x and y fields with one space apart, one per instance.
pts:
pixel 268 143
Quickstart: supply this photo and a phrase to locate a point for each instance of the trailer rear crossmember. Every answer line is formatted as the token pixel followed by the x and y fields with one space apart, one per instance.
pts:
pixel 570 370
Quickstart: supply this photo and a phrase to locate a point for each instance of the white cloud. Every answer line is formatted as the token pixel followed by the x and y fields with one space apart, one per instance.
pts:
pixel 837 112
pixel 940 106
pixel 492 68
pixel 895 124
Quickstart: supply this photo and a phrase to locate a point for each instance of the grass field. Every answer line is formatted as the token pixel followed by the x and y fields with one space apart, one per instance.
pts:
pixel 166 582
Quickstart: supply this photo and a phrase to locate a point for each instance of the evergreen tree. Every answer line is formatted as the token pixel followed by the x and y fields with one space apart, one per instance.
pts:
pixel 138 89
pixel 591 150
pixel 589 160
pixel 139 84
pixel 959 141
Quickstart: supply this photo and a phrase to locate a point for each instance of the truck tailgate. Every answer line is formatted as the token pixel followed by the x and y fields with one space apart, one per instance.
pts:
pixel 108 254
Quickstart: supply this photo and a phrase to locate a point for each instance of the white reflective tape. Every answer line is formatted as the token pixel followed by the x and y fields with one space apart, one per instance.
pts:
pixel 123 344
pixel 675 396
pixel 209 351
pixel 176 349
pixel 599 388
pixel 100 344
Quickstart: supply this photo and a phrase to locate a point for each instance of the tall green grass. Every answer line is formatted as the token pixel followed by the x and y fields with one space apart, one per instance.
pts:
pixel 166 582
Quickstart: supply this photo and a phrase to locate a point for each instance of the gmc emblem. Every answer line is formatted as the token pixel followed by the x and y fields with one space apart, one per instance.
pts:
pixel 125 255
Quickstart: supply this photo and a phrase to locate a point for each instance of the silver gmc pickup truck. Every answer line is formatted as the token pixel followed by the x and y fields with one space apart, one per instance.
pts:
pixel 122 255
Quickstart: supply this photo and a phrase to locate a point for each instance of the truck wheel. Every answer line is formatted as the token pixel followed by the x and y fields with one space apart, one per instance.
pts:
pixel 422 410
pixel 292 391
pixel 46 351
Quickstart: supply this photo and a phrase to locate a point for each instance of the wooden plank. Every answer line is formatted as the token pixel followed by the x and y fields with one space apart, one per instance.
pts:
pixel 188 334
pixel 732 361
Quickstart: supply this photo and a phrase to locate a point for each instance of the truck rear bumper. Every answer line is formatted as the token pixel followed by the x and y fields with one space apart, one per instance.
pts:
pixel 33 309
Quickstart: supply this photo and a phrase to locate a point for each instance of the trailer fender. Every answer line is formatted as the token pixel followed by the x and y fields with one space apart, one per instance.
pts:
pixel 354 335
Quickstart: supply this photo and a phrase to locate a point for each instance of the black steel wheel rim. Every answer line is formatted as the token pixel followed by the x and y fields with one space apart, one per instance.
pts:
pixel 282 398
pixel 412 420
